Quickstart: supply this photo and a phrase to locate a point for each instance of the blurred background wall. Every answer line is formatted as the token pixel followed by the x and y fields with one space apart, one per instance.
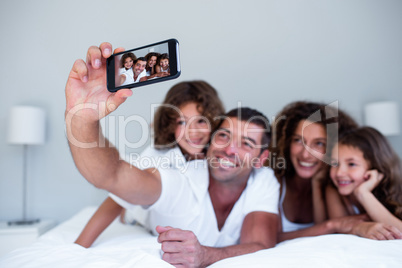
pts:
pixel 262 54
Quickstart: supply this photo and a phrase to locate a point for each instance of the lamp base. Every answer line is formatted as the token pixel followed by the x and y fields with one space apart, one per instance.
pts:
pixel 23 222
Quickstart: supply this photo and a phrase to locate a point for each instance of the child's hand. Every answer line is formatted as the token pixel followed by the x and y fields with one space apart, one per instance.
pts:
pixel 372 179
pixel 377 231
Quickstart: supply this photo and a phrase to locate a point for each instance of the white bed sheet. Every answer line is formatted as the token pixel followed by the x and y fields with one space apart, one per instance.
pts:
pixel 131 246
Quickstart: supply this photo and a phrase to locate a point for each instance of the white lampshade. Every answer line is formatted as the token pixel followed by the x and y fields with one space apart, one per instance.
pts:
pixel 383 116
pixel 27 125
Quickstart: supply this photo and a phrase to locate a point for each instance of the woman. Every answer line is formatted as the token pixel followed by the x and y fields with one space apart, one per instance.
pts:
pixel 151 57
pixel 303 136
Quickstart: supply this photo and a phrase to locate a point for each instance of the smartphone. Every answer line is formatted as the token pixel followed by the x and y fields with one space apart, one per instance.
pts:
pixel 143 66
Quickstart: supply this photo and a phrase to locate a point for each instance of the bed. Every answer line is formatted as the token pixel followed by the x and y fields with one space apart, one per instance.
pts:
pixel 132 246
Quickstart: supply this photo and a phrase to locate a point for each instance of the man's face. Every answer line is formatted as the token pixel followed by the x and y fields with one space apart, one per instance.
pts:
pixel 235 149
pixel 139 67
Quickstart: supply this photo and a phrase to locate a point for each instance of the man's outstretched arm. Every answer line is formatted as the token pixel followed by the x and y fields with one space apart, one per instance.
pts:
pixel 88 101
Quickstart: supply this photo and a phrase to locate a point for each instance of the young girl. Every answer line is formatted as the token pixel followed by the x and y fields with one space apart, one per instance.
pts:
pixel 182 126
pixel 163 64
pixel 126 63
pixel 367 178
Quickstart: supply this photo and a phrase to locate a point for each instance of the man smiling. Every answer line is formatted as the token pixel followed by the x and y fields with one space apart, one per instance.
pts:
pixel 221 207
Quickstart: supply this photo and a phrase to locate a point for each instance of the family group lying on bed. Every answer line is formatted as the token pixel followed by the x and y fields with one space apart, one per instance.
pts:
pixel 226 203
pixel 134 70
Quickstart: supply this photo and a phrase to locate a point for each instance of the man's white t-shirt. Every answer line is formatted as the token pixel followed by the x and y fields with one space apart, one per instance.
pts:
pixel 185 203
pixel 141 75
pixel 171 158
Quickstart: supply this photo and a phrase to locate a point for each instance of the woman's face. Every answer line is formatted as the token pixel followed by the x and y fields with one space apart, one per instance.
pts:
pixel 192 130
pixel 152 61
pixel 348 168
pixel 307 148
pixel 128 63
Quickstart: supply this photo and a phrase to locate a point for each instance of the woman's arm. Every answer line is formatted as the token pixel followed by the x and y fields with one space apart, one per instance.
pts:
pixel 160 74
pixel 335 206
pixel 103 217
pixel 318 190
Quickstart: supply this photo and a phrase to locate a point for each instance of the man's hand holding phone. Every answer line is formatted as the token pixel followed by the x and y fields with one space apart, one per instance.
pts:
pixel 89 97
pixel 86 91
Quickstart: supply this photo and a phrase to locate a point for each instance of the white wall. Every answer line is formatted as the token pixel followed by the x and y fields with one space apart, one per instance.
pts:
pixel 264 54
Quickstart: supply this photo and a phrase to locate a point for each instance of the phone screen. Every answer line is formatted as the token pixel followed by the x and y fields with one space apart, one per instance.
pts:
pixel 145 65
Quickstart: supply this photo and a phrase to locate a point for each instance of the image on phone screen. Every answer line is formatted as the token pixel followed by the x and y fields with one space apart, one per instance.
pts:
pixel 145 65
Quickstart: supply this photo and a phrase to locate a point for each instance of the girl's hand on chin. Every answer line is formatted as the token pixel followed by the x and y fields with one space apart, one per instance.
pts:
pixel 372 179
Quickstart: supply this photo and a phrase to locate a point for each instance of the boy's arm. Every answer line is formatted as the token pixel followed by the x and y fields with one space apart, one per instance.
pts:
pixel 87 101
pixel 103 217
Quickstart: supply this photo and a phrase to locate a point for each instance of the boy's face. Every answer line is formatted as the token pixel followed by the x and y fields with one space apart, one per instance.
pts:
pixel 164 63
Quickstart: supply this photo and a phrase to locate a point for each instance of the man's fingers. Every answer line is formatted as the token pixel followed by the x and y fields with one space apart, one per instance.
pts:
pixel 80 70
pixel 118 50
pixel 168 235
pixel 174 259
pixel 94 57
pixel 162 232
pixel 106 49
pixel 176 235
pixel 124 93
pixel 160 229
pixel 171 247
pixel 116 99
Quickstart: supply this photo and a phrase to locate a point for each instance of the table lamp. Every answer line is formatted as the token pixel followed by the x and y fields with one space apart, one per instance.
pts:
pixel 26 127
pixel 383 116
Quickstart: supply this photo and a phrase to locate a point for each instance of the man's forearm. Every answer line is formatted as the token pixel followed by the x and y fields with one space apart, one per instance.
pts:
pixel 211 255
pixel 94 156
